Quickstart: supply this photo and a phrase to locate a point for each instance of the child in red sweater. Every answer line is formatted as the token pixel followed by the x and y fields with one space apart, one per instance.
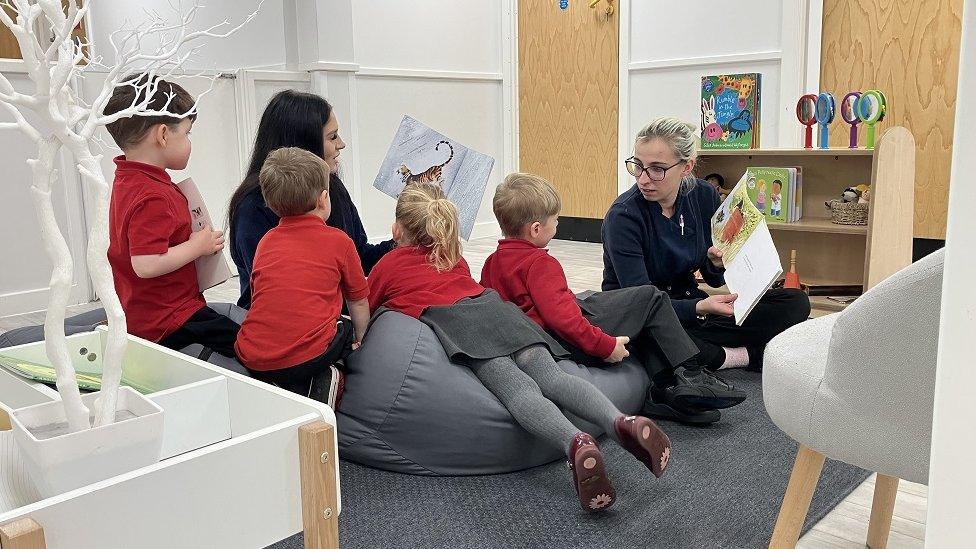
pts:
pixel 602 325
pixel 427 278
pixel 151 244
pixel 303 270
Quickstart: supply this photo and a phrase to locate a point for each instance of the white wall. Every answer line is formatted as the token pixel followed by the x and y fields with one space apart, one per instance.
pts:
pixel 26 270
pixel 666 47
pixel 952 481
pixel 436 60
pixel 261 42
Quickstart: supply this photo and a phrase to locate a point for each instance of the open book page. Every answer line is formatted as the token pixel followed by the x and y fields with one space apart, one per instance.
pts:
pixel 421 154
pixel 752 263
pixel 211 269
pixel 754 270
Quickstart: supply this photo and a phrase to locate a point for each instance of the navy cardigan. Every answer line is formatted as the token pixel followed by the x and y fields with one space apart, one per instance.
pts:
pixel 642 246
pixel 254 218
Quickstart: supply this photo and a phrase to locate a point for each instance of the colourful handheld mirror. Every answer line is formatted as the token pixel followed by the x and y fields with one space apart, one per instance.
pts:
pixel 870 108
pixel 849 115
pixel 806 113
pixel 825 115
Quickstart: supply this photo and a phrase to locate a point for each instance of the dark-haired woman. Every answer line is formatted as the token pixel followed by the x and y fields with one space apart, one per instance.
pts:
pixel 307 121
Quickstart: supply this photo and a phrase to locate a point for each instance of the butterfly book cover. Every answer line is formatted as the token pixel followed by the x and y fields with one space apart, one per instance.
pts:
pixel 730 111
pixel 421 154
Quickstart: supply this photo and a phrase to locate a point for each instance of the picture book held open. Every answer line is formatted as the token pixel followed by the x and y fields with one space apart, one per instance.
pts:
pixel 752 263
pixel 421 154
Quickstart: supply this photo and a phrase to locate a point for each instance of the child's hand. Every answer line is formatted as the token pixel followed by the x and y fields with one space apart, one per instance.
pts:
pixel 620 352
pixel 207 241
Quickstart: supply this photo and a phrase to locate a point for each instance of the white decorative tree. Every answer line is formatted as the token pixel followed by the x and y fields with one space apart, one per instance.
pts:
pixel 66 120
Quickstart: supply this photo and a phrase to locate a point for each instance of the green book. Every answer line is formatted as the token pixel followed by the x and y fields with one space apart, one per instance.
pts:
pixel 769 189
pixel 47 375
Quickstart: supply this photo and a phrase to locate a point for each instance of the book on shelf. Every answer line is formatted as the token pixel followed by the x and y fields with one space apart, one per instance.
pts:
pixel 730 111
pixel 776 192
pixel 752 264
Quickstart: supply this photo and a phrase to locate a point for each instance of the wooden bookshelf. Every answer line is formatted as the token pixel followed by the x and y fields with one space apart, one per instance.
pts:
pixel 828 253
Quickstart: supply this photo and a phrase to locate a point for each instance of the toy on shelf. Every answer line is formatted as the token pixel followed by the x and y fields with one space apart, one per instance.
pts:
pixel 718 183
pixel 852 207
pixel 870 108
pixel 849 115
pixel 792 277
pixel 825 115
pixel 806 113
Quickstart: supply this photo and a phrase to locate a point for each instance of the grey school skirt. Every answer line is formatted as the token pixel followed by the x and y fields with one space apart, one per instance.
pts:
pixel 484 327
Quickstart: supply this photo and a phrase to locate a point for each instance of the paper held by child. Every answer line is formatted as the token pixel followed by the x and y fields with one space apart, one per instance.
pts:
pixel 211 269
pixel 420 154
pixel 752 263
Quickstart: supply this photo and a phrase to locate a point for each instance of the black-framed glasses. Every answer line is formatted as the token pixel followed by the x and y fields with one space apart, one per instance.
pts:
pixel 654 173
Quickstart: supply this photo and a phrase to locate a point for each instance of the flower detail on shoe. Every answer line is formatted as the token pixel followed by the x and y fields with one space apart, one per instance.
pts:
pixel 601 501
pixel 665 456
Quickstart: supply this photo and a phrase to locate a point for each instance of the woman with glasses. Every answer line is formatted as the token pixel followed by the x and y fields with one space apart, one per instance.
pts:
pixel 659 233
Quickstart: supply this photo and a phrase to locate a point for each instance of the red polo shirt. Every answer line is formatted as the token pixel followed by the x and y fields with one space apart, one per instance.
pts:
pixel 534 280
pixel 303 269
pixel 405 280
pixel 147 216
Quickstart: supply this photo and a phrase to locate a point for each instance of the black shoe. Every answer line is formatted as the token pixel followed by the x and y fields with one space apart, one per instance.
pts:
pixel 701 389
pixel 327 386
pixel 658 406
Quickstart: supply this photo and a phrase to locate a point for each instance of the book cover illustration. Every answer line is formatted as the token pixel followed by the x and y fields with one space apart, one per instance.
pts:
pixel 421 154
pixel 734 223
pixel 751 261
pixel 770 191
pixel 730 111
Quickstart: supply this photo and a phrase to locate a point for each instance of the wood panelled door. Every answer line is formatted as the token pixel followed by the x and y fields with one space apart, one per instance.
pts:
pixel 567 88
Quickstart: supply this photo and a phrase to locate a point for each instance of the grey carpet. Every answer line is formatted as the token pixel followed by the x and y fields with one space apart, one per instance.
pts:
pixel 722 489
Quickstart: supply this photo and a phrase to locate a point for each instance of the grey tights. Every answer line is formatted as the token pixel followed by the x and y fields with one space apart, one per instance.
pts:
pixel 530 385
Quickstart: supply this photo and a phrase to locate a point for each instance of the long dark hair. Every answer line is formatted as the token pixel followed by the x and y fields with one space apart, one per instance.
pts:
pixel 291 119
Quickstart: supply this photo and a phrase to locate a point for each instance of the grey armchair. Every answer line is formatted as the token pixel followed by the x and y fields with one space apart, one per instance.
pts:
pixel 857 386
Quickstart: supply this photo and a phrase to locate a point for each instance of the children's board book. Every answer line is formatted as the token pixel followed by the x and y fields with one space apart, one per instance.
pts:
pixel 211 269
pixel 774 193
pixel 752 263
pixel 730 111
pixel 421 154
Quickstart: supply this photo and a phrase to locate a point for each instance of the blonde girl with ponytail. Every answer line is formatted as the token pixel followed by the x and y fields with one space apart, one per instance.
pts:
pixel 427 278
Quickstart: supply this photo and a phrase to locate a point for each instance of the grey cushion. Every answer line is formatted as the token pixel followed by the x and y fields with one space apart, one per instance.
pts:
pixel 407 408
pixel 86 322
pixel 858 385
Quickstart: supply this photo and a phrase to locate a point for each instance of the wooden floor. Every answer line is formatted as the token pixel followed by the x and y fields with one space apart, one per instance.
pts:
pixel 844 527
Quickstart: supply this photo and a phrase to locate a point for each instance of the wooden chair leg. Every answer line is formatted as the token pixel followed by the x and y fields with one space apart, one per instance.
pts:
pixel 22 534
pixel 319 502
pixel 796 501
pixel 882 507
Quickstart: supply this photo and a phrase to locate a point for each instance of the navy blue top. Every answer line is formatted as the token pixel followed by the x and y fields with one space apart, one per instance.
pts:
pixel 254 218
pixel 642 246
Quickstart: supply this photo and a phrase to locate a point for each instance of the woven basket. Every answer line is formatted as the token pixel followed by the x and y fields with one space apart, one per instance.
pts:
pixel 848 213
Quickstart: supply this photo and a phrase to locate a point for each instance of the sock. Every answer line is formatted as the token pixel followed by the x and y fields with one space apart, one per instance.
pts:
pixel 735 357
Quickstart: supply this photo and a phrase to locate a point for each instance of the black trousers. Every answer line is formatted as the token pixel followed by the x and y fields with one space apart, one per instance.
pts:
pixel 645 315
pixel 298 378
pixel 208 328
pixel 778 310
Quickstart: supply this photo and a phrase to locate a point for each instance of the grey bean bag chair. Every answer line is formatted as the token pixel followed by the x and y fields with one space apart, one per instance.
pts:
pixel 407 408
pixel 86 322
